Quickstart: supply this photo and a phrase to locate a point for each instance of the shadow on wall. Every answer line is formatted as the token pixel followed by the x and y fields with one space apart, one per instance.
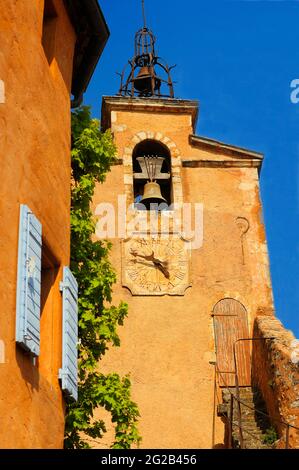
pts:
pixel 29 368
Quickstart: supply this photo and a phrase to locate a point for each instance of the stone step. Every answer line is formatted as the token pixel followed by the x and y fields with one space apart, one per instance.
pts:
pixel 254 446
pixel 255 438
pixel 250 431
pixel 250 420
pixel 251 412
pixel 248 423
pixel 249 397
pixel 246 397
pixel 245 403
pixel 251 428
pixel 245 417
pixel 253 442
pixel 253 423
pixel 245 412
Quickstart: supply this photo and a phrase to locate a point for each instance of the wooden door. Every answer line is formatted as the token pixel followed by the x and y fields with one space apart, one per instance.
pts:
pixel 230 324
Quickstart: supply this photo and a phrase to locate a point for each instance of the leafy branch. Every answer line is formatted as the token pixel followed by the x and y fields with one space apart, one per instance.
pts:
pixel 93 152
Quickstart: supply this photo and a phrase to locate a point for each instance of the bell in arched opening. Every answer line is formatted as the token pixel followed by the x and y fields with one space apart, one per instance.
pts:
pixel 152 196
pixel 151 171
pixel 152 163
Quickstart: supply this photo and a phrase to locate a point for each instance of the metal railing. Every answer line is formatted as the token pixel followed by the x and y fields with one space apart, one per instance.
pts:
pixel 240 402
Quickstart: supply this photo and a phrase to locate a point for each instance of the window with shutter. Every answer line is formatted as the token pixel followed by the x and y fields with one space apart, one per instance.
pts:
pixel 69 371
pixel 29 282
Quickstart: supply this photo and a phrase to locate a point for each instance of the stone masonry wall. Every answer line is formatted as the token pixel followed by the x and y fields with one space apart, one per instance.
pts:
pixel 275 372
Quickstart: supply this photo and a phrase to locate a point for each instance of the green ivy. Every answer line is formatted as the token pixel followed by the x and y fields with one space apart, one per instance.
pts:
pixel 93 152
pixel 270 436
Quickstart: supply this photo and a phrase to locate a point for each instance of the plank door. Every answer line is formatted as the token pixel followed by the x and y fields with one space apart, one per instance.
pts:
pixel 231 324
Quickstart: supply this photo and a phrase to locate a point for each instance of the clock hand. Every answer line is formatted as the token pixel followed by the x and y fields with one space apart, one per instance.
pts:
pixel 157 261
pixel 159 264
pixel 143 263
pixel 148 257
pixel 162 269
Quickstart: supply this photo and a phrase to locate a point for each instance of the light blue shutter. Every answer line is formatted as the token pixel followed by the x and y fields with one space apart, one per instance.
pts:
pixel 29 281
pixel 69 371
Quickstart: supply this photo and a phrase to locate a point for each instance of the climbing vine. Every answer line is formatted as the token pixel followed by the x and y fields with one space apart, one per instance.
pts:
pixel 93 152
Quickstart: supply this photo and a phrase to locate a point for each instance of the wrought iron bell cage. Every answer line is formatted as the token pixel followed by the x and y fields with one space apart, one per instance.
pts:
pixel 143 79
pixel 144 43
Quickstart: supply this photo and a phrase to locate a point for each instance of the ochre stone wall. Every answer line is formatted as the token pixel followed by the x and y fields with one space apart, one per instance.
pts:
pixel 276 373
pixel 35 170
pixel 167 343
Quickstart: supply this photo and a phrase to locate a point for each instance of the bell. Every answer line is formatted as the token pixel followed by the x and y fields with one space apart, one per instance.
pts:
pixel 152 195
pixel 143 81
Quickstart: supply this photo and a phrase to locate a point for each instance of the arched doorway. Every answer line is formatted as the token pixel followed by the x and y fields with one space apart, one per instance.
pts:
pixel 231 324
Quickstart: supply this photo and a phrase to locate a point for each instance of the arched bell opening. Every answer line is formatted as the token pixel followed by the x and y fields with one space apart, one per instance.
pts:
pixel 152 173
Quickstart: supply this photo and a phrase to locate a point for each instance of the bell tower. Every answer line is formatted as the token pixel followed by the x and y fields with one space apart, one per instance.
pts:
pixel 190 253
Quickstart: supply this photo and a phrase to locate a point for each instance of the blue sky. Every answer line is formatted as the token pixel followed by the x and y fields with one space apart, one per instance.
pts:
pixel 238 59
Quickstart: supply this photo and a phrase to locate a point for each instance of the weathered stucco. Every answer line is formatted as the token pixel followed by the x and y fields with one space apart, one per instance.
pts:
pixel 167 343
pixel 275 369
pixel 35 170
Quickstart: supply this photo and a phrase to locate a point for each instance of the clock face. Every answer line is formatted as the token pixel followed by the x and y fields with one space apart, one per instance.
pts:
pixel 155 266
